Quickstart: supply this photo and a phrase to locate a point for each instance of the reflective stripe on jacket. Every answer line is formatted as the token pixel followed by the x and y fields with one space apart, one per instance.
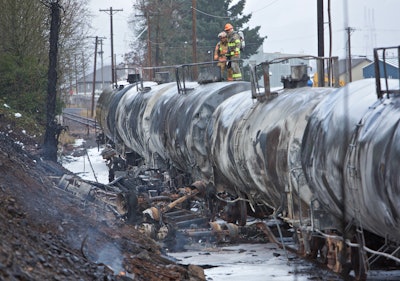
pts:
pixel 234 44
pixel 220 52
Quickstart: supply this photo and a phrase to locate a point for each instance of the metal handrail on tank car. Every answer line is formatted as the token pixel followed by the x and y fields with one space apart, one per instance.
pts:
pixel 378 76
pixel 181 87
pixel 181 71
pixel 332 72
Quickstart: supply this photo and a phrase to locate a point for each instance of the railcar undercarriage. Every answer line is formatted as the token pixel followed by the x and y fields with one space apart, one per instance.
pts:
pixel 179 214
pixel 229 161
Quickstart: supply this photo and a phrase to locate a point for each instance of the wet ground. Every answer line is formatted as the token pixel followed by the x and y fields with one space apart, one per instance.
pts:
pixel 234 262
pixel 237 262
pixel 256 262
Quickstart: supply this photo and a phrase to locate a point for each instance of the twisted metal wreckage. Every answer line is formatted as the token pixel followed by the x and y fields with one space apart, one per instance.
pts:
pixel 198 159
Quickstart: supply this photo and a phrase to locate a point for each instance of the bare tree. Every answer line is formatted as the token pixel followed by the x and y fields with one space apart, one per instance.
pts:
pixel 24 53
pixel 74 43
pixel 22 28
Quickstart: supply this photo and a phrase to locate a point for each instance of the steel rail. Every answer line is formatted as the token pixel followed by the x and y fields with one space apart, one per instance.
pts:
pixel 81 120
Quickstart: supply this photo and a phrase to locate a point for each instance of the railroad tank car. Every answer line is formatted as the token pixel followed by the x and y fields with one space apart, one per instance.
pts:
pixel 297 151
pixel 260 149
pixel 106 109
pixel 257 145
pixel 350 156
pixel 163 125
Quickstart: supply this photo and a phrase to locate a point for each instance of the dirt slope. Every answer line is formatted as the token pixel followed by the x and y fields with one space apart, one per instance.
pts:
pixel 48 234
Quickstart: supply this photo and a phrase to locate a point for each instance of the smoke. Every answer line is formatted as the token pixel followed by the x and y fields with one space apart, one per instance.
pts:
pixel 112 257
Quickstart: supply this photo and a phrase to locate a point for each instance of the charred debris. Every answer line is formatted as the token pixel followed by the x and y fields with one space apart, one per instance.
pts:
pixel 178 214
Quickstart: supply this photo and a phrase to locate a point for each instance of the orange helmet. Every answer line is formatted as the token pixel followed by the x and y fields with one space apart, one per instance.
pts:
pixel 228 26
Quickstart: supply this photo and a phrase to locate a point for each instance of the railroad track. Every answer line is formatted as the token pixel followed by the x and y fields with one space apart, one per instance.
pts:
pixel 89 122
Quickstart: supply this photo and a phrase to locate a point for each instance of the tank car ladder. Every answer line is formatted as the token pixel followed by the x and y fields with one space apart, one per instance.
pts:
pixel 355 195
pixel 237 137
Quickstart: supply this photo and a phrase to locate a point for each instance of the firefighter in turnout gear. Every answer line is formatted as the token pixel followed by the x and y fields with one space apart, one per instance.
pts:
pixel 221 49
pixel 233 55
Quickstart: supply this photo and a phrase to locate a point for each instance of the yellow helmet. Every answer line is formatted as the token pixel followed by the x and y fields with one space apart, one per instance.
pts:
pixel 228 26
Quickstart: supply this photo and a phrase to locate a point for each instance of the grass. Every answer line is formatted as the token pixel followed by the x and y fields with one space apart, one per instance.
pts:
pixel 20 123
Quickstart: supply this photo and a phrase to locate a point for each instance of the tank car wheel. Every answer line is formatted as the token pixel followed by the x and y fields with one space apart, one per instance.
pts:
pixel 358 261
pixel 243 213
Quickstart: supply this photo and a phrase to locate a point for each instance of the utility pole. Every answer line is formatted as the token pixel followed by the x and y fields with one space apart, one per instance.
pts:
pixel 149 55
pixel 321 53
pixel 149 63
pixel 84 73
pixel 52 133
pixel 76 75
pixel 157 58
pixel 111 11
pixel 194 38
pixel 349 66
pixel 94 77
pixel 101 59
pixel 99 40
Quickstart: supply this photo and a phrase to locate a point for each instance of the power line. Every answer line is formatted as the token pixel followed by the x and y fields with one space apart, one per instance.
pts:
pixel 213 16
pixel 273 2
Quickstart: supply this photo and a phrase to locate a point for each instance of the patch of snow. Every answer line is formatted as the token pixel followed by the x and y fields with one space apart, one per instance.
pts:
pixel 90 166
pixel 6 105
pixel 79 142
pixel 20 144
pixel 18 115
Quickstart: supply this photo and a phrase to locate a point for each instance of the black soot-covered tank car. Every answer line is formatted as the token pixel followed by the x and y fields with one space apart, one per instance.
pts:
pixel 323 159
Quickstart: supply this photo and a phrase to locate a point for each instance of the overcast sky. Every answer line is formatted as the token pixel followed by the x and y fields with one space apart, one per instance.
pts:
pixel 291 25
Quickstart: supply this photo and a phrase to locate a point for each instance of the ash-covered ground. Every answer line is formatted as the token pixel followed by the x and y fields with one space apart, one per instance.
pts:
pixel 48 234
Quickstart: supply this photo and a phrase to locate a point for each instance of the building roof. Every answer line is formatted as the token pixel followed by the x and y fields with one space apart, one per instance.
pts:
pixel 106 72
pixel 390 61
pixel 354 63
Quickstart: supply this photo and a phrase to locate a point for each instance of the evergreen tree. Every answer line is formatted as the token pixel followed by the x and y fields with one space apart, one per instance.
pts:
pixel 169 30
pixel 24 50
pixel 22 53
